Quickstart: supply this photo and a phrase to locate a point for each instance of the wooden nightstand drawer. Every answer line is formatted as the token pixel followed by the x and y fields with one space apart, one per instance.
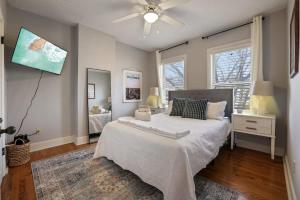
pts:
pixel 253 125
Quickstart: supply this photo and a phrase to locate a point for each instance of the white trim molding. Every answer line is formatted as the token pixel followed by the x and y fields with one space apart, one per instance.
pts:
pixel 174 59
pixel 36 146
pixel 81 140
pixel 219 49
pixel 288 179
pixel 178 59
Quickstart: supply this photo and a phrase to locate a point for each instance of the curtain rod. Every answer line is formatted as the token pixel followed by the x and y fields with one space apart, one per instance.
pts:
pixel 186 42
pixel 226 30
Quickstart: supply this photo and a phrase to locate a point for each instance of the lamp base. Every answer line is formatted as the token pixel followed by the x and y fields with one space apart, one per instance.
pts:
pixel 260 107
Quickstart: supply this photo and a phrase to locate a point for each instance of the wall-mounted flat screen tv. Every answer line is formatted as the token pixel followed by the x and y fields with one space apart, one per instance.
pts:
pixel 36 52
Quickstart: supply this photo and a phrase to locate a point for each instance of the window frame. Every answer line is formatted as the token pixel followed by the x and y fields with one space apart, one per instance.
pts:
pixel 170 60
pixel 222 48
pixel 219 49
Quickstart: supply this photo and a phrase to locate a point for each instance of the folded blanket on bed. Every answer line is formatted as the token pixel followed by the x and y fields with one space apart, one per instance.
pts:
pixel 161 129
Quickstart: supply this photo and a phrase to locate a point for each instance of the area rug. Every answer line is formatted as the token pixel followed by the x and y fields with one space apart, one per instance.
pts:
pixel 77 176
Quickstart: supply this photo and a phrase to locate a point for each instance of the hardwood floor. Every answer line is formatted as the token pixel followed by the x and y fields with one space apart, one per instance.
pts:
pixel 252 173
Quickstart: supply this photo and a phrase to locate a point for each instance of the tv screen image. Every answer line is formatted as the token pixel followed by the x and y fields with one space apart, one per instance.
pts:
pixel 36 52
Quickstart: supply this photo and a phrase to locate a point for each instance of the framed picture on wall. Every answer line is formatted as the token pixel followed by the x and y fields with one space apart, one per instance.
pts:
pixel 132 86
pixel 294 40
pixel 91 91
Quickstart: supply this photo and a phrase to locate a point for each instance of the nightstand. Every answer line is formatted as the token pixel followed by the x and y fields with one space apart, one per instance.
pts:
pixel 253 124
pixel 157 110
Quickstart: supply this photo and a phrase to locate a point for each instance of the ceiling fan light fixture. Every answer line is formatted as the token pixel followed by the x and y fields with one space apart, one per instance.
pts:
pixel 151 17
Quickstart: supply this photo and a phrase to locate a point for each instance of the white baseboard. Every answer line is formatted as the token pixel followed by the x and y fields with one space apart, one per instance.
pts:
pixel 258 147
pixel 81 140
pixel 36 146
pixel 288 179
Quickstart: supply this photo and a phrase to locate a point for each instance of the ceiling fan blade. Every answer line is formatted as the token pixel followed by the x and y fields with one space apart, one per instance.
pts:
pixel 126 17
pixel 143 2
pixel 171 21
pixel 147 28
pixel 171 4
pixel 139 8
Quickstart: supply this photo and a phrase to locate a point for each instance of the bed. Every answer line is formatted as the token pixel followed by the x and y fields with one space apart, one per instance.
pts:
pixel 98 121
pixel 165 163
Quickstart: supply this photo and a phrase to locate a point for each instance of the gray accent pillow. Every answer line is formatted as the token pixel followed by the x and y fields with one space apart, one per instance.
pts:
pixel 196 109
pixel 178 106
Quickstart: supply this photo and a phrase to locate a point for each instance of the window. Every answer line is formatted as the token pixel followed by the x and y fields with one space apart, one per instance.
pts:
pixel 173 74
pixel 230 67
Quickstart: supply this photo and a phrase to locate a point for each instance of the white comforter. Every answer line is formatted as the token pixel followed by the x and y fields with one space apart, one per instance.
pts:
pixel 165 163
pixel 98 121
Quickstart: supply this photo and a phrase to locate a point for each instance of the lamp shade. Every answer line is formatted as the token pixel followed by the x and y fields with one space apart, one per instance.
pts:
pixel 263 88
pixel 153 91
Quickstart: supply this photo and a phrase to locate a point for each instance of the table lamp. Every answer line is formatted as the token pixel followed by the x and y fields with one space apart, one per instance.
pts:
pixel 153 97
pixel 261 90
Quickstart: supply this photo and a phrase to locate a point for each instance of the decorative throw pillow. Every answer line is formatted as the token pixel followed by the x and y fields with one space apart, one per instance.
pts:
pixel 216 110
pixel 196 109
pixel 178 106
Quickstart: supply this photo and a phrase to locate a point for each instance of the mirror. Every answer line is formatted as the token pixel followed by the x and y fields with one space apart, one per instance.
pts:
pixel 99 102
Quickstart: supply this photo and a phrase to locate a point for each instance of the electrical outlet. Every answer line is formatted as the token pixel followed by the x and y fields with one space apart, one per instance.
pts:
pixel 293 167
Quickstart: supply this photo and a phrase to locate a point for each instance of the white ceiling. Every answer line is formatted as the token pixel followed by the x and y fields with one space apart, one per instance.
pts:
pixel 200 16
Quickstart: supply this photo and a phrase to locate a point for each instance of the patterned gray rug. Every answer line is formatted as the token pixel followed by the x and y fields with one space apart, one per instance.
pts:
pixel 77 176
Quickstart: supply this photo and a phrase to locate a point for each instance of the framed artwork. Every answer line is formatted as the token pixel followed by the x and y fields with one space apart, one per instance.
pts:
pixel 91 91
pixel 132 86
pixel 294 40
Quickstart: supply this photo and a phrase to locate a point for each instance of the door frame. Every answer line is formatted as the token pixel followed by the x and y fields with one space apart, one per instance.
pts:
pixel 2 101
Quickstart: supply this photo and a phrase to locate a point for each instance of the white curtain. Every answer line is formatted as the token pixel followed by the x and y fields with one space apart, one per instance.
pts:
pixel 257 49
pixel 257 59
pixel 159 76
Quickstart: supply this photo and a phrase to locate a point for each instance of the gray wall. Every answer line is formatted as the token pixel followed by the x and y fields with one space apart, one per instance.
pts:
pixel 124 60
pixel 102 83
pixel 95 50
pixel 196 53
pixel 275 60
pixel 274 64
pixel 293 136
pixel 52 109
pixel 101 51
pixel 60 107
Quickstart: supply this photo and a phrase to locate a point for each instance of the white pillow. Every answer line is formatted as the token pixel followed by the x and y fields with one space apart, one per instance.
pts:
pixel 216 110
pixel 170 106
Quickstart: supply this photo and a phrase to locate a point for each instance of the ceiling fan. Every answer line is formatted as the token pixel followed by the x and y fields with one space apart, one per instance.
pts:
pixel 152 12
